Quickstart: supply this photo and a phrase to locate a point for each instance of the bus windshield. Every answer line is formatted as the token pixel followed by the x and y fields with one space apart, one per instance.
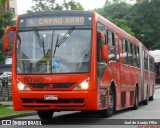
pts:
pixel 53 51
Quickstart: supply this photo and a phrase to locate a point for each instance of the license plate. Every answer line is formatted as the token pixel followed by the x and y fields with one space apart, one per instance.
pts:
pixel 50 97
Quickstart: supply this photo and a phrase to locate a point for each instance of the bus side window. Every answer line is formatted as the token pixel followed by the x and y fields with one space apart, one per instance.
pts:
pixel 100 28
pixel 117 49
pixel 138 58
pixel 130 53
pixel 135 56
pixel 107 40
pixel 125 54
pixel 111 45
pixel 99 57
pixel 145 61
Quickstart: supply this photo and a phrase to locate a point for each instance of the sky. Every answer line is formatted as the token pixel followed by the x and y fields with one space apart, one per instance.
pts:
pixel 24 5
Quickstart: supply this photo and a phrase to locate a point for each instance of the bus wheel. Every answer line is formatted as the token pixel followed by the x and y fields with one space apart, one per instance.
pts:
pixel 135 107
pixel 145 102
pixel 109 112
pixel 151 98
pixel 45 114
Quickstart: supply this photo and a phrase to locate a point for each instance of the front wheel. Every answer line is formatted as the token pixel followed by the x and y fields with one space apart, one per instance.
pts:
pixel 109 112
pixel 45 114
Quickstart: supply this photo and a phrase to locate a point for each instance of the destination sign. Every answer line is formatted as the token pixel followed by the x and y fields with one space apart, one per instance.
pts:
pixel 55 21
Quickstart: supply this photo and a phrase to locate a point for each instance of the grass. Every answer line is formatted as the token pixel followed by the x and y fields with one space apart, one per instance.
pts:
pixel 4 111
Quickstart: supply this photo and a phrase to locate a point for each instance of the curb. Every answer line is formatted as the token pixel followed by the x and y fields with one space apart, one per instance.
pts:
pixel 18 115
pixel 157 87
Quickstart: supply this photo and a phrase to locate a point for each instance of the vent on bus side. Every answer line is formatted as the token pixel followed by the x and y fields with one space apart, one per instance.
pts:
pixel 123 99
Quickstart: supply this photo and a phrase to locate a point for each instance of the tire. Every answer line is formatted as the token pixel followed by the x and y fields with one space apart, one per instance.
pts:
pixel 151 98
pixel 109 112
pixel 145 102
pixel 45 114
pixel 135 107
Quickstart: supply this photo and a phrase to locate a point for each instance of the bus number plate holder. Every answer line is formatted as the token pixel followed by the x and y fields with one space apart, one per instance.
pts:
pixel 50 97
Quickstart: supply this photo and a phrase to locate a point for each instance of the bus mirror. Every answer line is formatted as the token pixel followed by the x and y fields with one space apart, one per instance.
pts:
pixel 104 51
pixel 7 37
pixel 6 42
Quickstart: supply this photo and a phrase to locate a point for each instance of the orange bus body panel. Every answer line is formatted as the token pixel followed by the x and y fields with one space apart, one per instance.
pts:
pixel 124 77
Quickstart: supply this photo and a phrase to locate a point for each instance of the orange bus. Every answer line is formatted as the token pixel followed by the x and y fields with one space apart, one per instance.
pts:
pixel 77 60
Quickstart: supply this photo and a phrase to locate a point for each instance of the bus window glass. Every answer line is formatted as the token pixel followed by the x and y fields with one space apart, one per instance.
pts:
pixel 53 51
pixel 134 56
pixel 100 28
pixel 111 46
pixel 110 38
pixel 130 53
pixel 145 61
pixel 125 54
pixel 138 57
pixel 117 49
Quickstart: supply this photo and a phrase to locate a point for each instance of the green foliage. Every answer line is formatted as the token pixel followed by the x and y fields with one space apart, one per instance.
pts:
pixel 50 5
pixel 2 5
pixel 141 20
pixel 2 55
pixel 123 24
pixel 43 5
pixel 9 111
pixel 6 20
pixel 6 17
pixel 145 20
pixel 117 10
pixel 116 13
pixel 72 5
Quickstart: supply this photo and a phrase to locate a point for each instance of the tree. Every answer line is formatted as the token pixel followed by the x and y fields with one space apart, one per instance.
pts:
pixel 2 5
pixel 49 5
pixel 145 22
pixel 141 20
pixel 123 23
pixel 116 13
pixel 44 5
pixel 72 5
pixel 5 20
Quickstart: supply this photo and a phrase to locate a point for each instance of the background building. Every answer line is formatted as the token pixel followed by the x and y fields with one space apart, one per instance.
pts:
pixel 156 54
pixel 12 5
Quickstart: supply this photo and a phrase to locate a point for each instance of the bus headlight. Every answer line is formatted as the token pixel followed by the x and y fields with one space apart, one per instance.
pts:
pixel 22 86
pixel 83 86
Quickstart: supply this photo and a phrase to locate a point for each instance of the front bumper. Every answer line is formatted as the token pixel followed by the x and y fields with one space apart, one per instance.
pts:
pixel 67 100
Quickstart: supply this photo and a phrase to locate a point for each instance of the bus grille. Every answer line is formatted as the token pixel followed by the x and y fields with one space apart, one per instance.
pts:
pixel 62 85
pixel 76 100
pixel 39 85
pixel 54 85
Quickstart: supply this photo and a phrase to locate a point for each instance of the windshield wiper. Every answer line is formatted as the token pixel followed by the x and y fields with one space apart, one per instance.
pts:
pixel 64 37
pixel 41 41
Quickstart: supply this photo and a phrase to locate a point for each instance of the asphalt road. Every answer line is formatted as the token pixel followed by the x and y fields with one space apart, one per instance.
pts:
pixel 146 114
